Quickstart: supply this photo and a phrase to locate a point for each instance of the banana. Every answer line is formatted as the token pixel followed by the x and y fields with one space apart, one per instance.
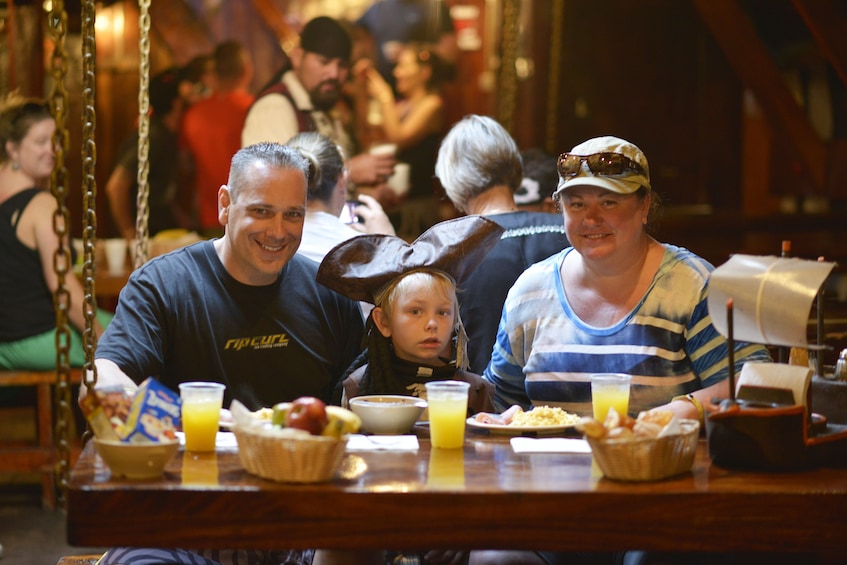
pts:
pixel 341 422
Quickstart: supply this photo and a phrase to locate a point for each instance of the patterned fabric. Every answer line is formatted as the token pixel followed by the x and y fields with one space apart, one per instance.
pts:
pixel 161 556
pixel 545 354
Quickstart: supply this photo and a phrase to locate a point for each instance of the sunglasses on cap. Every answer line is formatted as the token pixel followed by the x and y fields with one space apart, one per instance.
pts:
pixel 606 164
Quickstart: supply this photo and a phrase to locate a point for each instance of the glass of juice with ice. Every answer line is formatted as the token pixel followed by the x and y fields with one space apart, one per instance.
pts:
pixel 201 411
pixel 609 390
pixel 448 410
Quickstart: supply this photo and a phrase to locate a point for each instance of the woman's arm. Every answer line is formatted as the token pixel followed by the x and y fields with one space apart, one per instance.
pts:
pixel 425 117
pixel 46 242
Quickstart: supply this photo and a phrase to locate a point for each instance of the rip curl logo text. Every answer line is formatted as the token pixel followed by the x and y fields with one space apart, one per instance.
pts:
pixel 258 342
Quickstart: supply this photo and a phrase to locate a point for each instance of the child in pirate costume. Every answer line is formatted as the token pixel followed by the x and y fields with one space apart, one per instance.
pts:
pixel 414 333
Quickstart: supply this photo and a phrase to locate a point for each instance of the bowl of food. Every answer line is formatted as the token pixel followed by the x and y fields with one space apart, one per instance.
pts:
pixel 387 413
pixel 136 460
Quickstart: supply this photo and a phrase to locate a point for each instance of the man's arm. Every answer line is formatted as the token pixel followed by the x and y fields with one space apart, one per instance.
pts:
pixel 118 189
pixel 109 374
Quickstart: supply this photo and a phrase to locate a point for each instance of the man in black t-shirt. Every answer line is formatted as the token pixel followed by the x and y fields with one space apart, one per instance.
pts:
pixel 242 310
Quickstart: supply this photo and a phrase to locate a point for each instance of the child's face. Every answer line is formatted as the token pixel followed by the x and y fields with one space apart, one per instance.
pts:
pixel 420 325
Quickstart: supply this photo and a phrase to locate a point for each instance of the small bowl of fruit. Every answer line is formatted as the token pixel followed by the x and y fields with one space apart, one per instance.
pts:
pixel 384 414
pixel 304 442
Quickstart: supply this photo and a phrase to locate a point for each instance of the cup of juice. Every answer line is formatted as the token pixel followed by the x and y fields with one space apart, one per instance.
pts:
pixel 201 411
pixel 448 410
pixel 609 390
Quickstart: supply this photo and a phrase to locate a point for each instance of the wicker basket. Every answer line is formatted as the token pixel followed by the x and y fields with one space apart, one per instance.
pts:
pixel 313 459
pixel 648 459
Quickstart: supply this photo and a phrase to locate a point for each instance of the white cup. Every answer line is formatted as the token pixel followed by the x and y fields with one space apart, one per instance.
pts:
pixel 116 255
pixel 399 181
pixel 384 149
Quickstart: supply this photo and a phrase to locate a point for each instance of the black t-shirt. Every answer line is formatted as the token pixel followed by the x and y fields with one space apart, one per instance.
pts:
pixel 529 238
pixel 182 317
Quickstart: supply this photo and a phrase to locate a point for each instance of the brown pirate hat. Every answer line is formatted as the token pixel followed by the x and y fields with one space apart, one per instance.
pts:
pixel 360 267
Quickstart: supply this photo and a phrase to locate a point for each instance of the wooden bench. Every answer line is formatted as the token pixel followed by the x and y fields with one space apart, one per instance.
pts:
pixel 39 456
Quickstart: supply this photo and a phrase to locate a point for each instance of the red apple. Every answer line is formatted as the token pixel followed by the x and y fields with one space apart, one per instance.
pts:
pixel 307 413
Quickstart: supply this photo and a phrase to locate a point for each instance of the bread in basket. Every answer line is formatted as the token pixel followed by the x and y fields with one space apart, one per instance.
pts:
pixel 647 458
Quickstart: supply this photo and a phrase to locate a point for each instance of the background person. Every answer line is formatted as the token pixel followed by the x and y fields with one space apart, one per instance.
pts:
pixel 415 123
pixel 540 178
pixel 28 243
pixel 163 202
pixel 211 131
pixel 479 166
pixel 323 228
pixel 304 99
pixel 394 23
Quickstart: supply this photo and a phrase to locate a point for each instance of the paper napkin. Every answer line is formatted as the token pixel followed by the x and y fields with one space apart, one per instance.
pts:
pixel 360 442
pixel 549 445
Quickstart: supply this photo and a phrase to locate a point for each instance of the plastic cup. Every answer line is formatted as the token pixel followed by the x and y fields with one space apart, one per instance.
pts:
pixel 399 181
pixel 116 255
pixel 448 410
pixel 609 390
pixel 201 412
pixel 384 149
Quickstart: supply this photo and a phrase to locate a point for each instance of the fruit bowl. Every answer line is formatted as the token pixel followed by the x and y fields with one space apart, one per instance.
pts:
pixel 386 413
pixel 136 460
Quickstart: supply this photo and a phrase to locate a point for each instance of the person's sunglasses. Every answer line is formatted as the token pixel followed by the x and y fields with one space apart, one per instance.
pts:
pixel 606 164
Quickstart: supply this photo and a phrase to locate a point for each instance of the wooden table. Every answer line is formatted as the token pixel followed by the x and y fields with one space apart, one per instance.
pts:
pixel 484 496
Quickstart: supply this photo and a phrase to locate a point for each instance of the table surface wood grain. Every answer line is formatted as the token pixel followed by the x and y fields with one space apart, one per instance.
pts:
pixel 482 496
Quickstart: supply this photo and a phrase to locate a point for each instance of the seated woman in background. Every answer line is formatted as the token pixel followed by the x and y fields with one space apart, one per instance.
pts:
pixel 323 228
pixel 415 123
pixel 28 243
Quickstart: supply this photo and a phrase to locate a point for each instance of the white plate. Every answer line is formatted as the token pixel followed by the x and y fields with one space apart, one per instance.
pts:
pixel 502 429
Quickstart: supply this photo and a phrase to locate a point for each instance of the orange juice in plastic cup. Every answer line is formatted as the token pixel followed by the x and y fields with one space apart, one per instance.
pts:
pixel 448 410
pixel 201 411
pixel 609 390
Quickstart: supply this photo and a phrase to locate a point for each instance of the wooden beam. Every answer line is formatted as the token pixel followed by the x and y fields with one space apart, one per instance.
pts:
pixel 827 24
pixel 737 37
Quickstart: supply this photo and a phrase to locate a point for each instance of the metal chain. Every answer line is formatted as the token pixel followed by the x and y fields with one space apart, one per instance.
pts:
pixel 141 221
pixel 555 63
pixel 508 79
pixel 57 24
pixel 89 187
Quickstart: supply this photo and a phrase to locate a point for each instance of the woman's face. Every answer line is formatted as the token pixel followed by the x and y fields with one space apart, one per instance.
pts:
pixel 600 223
pixel 34 154
pixel 408 72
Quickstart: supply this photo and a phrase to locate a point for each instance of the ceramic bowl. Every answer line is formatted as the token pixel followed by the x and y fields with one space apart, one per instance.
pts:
pixel 136 460
pixel 387 414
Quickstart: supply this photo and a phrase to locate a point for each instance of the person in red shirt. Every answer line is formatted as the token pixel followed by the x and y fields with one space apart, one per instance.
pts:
pixel 211 131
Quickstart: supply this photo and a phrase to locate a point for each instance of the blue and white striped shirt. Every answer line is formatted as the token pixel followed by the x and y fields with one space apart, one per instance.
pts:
pixel 545 354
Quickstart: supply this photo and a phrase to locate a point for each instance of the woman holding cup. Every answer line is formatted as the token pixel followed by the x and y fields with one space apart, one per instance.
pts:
pixel 616 301
pixel 414 121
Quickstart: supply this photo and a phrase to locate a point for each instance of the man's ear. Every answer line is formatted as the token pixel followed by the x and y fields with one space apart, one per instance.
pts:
pixel 224 200
pixel 381 321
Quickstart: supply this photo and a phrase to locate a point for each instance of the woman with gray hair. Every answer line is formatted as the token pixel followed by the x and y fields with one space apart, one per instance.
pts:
pixel 479 166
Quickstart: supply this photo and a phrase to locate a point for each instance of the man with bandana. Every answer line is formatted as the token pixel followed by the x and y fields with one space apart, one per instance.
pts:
pixel 304 96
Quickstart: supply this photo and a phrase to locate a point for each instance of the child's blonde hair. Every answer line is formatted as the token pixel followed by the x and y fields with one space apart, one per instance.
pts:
pixel 435 282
